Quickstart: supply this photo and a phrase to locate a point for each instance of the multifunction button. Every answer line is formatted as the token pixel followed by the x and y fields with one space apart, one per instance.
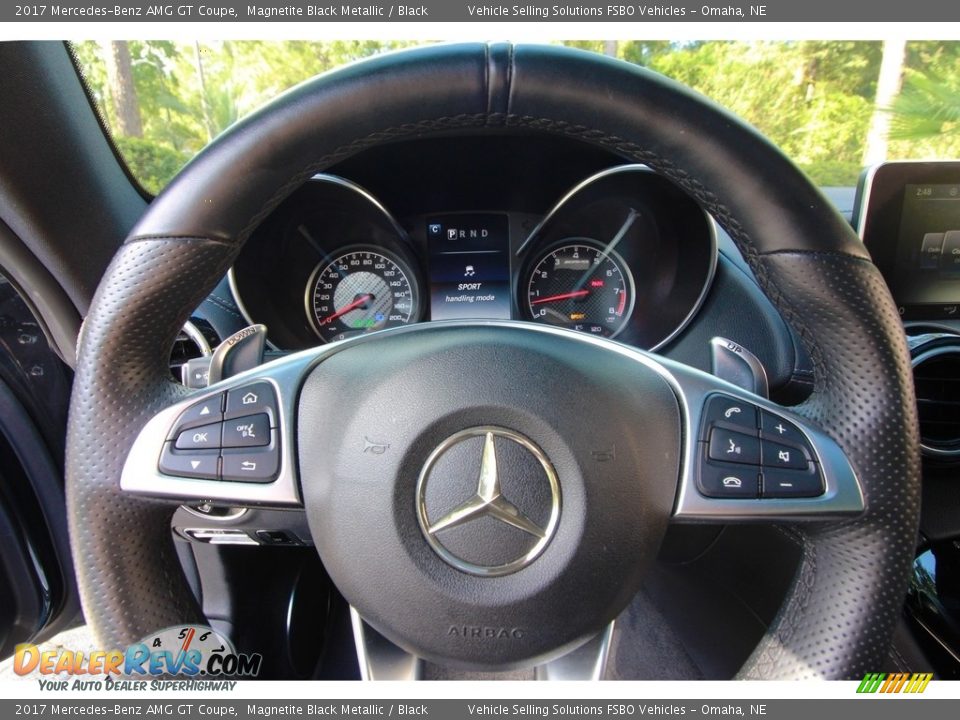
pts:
pixel 198 464
pixel 734 447
pixel 774 427
pixel 724 411
pixel 201 413
pixel 251 399
pixel 230 436
pixel 248 431
pixel 747 452
pixel 202 437
pixel 791 484
pixel 249 465
pixel 730 481
pixel 783 456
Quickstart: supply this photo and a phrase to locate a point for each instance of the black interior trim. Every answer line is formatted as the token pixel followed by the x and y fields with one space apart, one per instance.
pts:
pixel 42 587
pixel 63 192
pixel 49 304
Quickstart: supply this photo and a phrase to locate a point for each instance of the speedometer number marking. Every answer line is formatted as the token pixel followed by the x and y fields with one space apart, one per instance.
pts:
pixel 358 292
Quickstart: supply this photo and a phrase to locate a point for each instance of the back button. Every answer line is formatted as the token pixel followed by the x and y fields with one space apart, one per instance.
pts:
pixel 258 465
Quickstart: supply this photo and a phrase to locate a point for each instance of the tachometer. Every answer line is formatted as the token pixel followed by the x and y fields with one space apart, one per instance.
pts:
pixel 361 290
pixel 582 286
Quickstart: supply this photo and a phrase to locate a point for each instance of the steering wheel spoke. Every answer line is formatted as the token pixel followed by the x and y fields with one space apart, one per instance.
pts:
pixel 231 442
pixel 745 459
pixel 748 459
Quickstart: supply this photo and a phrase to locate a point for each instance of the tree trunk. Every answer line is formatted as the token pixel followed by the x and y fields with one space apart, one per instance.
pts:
pixel 123 93
pixel 204 104
pixel 610 48
pixel 888 87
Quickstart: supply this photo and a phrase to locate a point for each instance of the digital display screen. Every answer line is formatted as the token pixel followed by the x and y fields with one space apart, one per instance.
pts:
pixel 928 247
pixel 469 256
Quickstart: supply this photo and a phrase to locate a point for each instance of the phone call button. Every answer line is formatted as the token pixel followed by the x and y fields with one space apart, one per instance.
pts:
pixel 723 480
pixel 725 410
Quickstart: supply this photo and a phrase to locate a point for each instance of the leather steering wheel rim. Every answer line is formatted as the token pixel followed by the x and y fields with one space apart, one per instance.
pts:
pixel 841 609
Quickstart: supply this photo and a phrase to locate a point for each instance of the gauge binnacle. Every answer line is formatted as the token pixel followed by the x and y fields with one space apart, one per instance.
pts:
pixel 360 291
pixel 581 286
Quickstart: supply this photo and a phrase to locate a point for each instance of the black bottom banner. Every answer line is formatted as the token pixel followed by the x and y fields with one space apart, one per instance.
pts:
pixel 875 707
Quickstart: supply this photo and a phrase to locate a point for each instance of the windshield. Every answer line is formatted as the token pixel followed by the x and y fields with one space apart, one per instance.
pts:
pixel 833 107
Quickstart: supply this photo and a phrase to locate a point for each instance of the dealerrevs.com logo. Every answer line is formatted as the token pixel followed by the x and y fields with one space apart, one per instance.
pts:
pixel 185 651
pixel 895 683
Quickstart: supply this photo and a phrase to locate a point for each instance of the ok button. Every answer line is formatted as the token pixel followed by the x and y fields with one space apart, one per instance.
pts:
pixel 203 437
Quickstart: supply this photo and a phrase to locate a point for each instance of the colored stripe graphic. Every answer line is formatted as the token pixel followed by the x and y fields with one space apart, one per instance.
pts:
pixel 871 682
pixel 894 683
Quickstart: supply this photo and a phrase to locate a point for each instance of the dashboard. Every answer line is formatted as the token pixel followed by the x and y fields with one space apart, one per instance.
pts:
pixel 607 249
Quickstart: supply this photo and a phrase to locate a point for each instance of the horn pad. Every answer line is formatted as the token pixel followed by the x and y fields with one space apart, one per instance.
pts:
pixel 487 497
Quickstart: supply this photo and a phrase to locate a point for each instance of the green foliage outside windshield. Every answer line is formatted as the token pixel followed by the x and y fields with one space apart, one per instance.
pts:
pixel 163 101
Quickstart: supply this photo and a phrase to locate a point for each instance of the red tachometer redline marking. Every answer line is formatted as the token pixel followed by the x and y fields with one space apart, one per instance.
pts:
pixel 623 303
pixel 564 296
pixel 347 308
pixel 187 640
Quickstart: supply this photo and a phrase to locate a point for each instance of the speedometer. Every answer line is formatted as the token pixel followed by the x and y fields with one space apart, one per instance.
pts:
pixel 581 286
pixel 360 291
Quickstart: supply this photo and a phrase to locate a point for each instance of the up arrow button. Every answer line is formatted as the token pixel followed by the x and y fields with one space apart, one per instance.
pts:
pixel 205 412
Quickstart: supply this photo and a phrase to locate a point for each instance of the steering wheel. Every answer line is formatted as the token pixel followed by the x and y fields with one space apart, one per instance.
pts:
pixel 541 553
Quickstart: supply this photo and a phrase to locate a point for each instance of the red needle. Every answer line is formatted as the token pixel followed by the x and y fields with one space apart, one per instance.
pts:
pixel 565 296
pixel 187 640
pixel 347 308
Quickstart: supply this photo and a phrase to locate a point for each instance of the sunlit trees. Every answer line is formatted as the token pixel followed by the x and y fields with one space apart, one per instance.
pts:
pixel 815 99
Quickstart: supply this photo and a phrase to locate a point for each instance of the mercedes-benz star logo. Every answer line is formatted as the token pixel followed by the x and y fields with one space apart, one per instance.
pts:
pixel 488 501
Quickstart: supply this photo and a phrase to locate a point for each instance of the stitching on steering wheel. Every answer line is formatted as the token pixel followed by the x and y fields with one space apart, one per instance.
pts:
pixel 457 122
pixel 666 167
pixel 185 238
pixel 597 137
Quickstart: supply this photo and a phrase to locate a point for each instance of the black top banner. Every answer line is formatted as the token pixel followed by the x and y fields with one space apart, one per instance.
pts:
pixel 299 11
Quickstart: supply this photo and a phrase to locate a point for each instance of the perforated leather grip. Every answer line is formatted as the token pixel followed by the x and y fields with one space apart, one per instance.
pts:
pixel 850 587
pixel 841 610
pixel 128 572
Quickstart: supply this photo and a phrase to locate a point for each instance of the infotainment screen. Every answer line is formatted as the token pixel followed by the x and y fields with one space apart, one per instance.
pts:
pixel 930 231
pixel 910 221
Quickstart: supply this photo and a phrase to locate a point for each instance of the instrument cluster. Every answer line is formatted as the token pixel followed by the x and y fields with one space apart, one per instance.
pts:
pixel 625 253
